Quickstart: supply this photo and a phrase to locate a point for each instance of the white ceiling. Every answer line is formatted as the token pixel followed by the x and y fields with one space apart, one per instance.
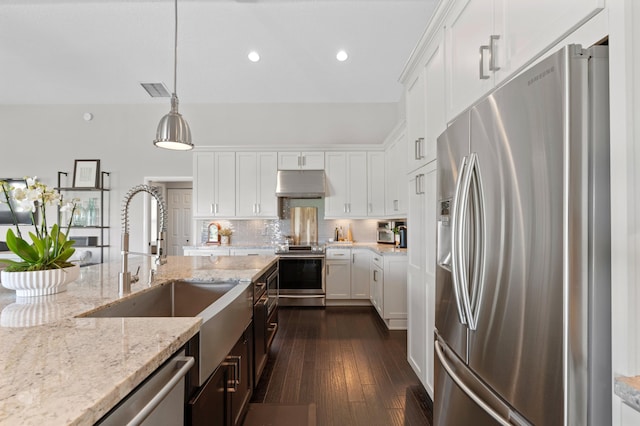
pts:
pixel 99 51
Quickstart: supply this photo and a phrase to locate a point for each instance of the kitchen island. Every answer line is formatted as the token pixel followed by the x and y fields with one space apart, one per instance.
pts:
pixel 59 369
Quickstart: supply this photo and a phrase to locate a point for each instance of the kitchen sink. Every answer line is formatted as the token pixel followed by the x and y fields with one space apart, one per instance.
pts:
pixel 175 299
pixel 225 308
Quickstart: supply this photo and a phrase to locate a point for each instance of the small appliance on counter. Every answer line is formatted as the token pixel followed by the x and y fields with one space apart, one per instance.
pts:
pixel 385 233
pixel 402 231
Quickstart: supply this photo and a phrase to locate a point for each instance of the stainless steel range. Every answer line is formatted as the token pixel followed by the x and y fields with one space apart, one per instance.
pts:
pixel 301 275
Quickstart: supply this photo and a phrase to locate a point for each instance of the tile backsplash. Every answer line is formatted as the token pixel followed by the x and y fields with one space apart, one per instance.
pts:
pixel 272 231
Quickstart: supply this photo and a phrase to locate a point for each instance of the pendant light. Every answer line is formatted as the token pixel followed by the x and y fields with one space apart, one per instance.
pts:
pixel 173 130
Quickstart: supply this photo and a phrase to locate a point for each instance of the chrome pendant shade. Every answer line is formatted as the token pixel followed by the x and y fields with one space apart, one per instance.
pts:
pixel 173 131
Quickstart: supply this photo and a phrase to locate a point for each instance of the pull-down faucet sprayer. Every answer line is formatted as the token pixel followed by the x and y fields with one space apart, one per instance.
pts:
pixel 125 277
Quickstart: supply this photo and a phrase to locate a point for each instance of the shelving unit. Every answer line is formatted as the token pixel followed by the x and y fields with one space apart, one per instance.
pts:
pixel 101 229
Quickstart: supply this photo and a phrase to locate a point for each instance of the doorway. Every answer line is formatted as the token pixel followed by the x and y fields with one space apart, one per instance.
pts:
pixel 179 226
pixel 177 192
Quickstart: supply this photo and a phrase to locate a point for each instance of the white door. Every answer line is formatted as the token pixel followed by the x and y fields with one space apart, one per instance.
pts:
pixel 179 217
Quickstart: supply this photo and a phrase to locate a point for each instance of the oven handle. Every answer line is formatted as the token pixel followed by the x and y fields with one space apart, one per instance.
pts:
pixel 301 296
pixel 298 257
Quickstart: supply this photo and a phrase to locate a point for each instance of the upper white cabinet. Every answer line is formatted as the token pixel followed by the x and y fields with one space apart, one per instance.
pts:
pixel 416 99
pixel 375 183
pixel 426 100
pixel 395 177
pixel 346 179
pixel 488 40
pixel 470 36
pixel 256 184
pixel 214 184
pixel 300 160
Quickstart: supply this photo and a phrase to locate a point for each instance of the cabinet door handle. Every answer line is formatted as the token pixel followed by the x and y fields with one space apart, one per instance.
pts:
pixel 258 207
pixel 328 272
pixel 375 275
pixel 483 48
pixel 420 149
pixel 304 160
pixel 417 184
pixel 370 208
pixel 211 208
pixel 492 53
pixel 416 154
pixel 299 164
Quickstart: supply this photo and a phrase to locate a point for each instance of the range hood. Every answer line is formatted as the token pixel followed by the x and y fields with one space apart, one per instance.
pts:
pixel 300 184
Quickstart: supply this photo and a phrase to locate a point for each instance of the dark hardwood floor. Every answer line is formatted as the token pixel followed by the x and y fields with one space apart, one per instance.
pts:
pixel 346 362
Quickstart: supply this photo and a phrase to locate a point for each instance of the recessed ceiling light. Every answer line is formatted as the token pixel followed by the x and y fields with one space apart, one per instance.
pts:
pixel 253 56
pixel 342 56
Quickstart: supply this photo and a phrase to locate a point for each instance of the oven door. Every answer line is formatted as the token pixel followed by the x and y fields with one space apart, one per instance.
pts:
pixel 301 281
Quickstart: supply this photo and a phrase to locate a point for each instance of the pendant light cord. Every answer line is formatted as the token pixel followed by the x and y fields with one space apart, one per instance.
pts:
pixel 175 51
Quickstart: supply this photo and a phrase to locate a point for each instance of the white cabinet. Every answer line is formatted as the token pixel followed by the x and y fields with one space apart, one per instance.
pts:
pixel 435 118
pixel 360 266
pixel 395 292
pixel 256 184
pixel 415 99
pixel 346 179
pixel 214 185
pixel 338 274
pixel 388 287
pixel 469 28
pixel 421 253
pixel 487 41
pixel 300 160
pixel 395 177
pixel 629 416
pixel 375 183
pixel 377 284
pixel 425 102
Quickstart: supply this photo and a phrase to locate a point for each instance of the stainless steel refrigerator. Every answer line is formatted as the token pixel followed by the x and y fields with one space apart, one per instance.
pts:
pixel 523 275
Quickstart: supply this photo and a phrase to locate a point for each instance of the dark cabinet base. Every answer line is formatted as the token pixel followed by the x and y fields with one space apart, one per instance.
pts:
pixel 224 398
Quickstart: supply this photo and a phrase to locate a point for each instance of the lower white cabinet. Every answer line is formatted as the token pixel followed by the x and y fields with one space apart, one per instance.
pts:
pixel 347 275
pixel 360 266
pixel 377 284
pixel 388 286
pixel 421 278
pixel 338 274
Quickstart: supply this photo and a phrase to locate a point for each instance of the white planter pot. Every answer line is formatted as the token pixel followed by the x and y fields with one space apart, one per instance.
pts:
pixel 39 283
pixel 225 239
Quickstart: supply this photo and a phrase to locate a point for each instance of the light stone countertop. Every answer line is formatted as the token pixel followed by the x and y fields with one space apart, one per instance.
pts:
pixel 381 249
pixel 61 370
pixel 628 388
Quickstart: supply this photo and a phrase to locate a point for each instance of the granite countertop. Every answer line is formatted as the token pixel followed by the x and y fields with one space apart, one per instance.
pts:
pixel 628 388
pixel 381 249
pixel 62 370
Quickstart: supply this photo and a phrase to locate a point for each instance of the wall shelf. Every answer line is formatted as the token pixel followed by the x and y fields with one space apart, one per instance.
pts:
pixel 101 200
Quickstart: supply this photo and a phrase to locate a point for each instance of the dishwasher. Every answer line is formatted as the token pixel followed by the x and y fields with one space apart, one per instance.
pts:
pixel 157 401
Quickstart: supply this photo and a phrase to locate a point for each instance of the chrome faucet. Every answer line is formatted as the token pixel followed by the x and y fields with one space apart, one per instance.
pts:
pixel 125 278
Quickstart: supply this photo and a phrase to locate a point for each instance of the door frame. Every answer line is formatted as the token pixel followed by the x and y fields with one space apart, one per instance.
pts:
pixel 161 182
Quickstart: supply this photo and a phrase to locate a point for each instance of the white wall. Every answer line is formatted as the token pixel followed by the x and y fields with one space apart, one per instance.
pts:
pixel 42 140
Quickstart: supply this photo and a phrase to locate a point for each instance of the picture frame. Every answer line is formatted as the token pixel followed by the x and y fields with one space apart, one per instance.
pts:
pixel 86 174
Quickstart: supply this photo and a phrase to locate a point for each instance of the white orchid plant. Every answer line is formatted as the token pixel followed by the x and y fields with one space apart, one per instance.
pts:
pixel 49 249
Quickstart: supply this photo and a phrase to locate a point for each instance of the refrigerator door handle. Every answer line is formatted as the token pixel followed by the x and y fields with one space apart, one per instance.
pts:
pixel 500 418
pixel 460 256
pixel 472 293
pixel 455 241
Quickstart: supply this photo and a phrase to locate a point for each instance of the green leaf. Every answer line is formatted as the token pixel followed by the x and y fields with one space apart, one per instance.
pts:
pixel 21 248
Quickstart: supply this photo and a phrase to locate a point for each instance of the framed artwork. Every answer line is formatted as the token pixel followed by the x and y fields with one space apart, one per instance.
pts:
pixel 86 174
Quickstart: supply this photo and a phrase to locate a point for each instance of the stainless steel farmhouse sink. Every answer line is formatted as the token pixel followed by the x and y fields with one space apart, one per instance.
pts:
pixel 224 306
pixel 175 299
